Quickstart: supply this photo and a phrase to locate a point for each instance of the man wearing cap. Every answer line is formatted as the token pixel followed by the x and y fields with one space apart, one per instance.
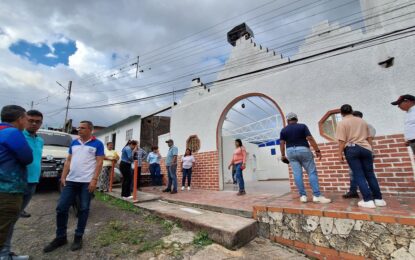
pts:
pixel 171 164
pixel 297 139
pixel 407 104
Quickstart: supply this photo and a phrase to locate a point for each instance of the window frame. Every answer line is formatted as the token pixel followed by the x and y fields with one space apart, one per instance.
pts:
pixel 321 123
pixel 191 138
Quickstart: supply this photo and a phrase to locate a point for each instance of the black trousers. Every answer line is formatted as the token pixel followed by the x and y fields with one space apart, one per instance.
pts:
pixel 125 169
pixel 187 173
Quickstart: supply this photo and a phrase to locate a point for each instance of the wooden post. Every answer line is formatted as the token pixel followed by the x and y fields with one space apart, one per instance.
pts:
pixel 135 180
pixel 112 175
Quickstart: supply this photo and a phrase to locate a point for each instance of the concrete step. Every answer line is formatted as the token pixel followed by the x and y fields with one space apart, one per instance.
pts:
pixel 227 230
pixel 230 211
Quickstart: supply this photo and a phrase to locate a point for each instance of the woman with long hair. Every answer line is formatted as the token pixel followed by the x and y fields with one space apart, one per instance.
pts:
pixel 125 168
pixel 187 163
pixel 239 163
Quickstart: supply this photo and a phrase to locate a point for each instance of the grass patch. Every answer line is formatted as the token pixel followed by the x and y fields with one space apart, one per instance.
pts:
pixel 117 232
pixel 202 239
pixel 150 245
pixel 124 205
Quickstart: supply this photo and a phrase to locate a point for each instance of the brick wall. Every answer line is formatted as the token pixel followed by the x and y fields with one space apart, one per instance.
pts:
pixel 205 173
pixel 393 167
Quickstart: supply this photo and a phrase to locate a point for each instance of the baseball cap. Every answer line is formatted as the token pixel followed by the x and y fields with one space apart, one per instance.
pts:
pixel 291 116
pixel 170 141
pixel 403 98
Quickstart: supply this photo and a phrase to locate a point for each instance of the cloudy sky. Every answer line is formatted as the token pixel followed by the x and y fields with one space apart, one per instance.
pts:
pixel 95 44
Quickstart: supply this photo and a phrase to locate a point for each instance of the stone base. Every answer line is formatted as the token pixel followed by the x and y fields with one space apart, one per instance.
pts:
pixel 342 232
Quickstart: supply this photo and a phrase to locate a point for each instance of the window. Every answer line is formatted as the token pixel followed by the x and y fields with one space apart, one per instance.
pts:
pixel 129 134
pixel 193 143
pixel 107 139
pixel 328 124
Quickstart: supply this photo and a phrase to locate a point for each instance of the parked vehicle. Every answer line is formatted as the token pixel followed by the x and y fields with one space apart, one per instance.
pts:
pixel 55 151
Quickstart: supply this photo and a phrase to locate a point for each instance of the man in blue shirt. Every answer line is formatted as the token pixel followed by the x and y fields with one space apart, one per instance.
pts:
pixel 15 155
pixel 35 120
pixel 296 138
pixel 171 164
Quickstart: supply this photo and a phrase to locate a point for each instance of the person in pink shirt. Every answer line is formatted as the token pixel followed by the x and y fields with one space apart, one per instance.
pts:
pixel 239 163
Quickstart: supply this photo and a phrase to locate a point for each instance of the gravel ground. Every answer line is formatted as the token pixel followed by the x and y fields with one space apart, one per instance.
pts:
pixel 117 231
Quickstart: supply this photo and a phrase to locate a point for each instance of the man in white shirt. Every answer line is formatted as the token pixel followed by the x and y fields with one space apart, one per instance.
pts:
pixel 407 104
pixel 79 178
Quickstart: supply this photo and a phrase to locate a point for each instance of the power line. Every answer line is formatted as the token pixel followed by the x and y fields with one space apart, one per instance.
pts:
pixel 390 34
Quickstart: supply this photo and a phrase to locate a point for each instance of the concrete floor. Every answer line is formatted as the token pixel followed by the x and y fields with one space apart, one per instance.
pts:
pixel 274 187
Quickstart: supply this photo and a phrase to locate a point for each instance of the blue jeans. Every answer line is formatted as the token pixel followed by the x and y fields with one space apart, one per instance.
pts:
pixel 360 161
pixel 301 157
pixel 239 177
pixel 353 184
pixel 66 200
pixel 155 174
pixel 27 196
pixel 171 172
pixel 187 173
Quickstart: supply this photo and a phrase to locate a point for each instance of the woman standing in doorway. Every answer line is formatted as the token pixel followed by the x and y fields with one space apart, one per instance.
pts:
pixel 239 162
pixel 110 156
pixel 187 164
pixel 125 168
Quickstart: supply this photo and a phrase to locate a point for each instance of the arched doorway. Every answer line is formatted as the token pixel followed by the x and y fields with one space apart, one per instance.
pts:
pixel 257 120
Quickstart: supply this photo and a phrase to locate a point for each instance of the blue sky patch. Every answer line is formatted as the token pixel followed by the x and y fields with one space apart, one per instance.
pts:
pixel 41 53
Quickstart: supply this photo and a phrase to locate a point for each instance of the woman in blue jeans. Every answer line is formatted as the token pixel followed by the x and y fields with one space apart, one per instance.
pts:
pixel 239 163
pixel 153 159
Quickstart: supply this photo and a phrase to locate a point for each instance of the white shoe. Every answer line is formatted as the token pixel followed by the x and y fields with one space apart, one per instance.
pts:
pixel 303 199
pixel 182 187
pixel 380 203
pixel 188 188
pixel 129 197
pixel 367 204
pixel 321 199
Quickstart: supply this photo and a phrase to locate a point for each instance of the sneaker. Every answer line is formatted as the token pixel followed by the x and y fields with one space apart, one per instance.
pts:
pixel 350 195
pixel 188 188
pixel 380 203
pixel 77 243
pixel 166 190
pixel 13 256
pixel 303 199
pixel 182 187
pixel 24 214
pixel 173 192
pixel 367 204
pixel 57 242
pixel 321 199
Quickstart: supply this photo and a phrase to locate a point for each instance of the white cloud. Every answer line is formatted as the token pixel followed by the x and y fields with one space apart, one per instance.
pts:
pixel 51 55
pixel 87 60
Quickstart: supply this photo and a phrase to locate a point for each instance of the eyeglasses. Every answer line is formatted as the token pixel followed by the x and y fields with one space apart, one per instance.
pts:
pixel 34 122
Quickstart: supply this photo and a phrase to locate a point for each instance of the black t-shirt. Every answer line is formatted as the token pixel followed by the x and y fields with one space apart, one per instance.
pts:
pixel 295 135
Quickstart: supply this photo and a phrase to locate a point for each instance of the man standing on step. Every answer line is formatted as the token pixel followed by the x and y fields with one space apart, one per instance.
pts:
pixel 297 139
pixel 355 142
pixel 407 103
pixel 171 164
pixel 352 193
pixel 79 179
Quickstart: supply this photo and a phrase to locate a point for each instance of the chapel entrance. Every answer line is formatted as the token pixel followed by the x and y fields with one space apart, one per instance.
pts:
pixel 257 121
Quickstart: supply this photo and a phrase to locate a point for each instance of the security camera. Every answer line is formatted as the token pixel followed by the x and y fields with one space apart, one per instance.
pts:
pixel 243 105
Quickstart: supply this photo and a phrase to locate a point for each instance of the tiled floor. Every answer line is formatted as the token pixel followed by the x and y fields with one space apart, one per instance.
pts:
pixel 397 206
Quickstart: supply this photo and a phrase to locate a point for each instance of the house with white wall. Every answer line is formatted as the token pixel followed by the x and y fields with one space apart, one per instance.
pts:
pixel 367 68
pixel 122 131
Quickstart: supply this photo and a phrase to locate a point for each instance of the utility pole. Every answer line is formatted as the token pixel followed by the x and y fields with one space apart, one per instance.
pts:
pixel 68 99
pixel 31 104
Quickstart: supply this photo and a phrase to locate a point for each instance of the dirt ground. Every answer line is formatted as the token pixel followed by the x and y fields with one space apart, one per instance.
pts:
pixel 116 230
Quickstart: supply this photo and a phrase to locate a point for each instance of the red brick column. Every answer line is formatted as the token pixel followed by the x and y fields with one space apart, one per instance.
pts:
pixel 392 163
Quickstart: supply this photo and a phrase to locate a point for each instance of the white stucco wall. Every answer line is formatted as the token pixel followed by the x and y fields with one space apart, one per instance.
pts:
pixel 121 134
pixel 311 90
